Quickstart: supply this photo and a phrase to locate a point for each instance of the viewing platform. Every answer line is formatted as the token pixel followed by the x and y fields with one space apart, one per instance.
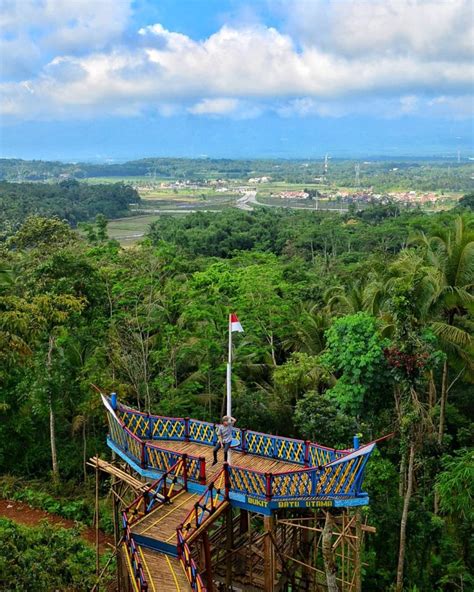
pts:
pixel 265 472
pixel 167 541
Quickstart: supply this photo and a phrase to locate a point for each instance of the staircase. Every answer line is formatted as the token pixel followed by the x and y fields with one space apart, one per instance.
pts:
pixel 160 527
pixel 164 572
pixel 157 531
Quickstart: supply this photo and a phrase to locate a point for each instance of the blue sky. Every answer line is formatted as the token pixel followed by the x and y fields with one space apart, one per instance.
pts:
pixel 122 79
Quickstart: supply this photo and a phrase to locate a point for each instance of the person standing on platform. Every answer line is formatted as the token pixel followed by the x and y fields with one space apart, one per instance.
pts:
pixel 224 437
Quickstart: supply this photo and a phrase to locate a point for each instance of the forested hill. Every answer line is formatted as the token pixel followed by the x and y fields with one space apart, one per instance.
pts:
pixel 353 324
pixel 68 200
pixel 383 174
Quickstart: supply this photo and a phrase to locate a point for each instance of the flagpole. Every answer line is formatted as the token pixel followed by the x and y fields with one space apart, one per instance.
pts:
pixel 229 371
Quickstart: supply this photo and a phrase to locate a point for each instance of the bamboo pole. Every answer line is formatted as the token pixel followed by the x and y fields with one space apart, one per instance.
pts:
pixel 207 561
pixel 97 558
pixel 358 565
pixel 96 585
pixel 228 546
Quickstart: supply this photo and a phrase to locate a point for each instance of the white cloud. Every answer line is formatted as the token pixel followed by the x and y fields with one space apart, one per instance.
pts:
pixel 220 106
pixel 239 72
pixel 459 107
pixel 409 104
pixel 31 29
pixel 433 29
pixel 307 106
pixel 66 25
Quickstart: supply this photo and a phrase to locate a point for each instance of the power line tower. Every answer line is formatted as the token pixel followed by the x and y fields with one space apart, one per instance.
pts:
pixel 326 164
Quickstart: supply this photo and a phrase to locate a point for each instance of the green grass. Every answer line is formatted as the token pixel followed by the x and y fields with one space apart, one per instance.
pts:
pixel 187 195
pixel 107 180
pixel 130 230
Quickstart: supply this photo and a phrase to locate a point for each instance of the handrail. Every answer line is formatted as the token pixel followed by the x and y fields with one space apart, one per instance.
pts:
pixel 195 430
pixel 211 501
pixel 320 479
pixel 216 494
pixel 159 491
pixel 134 557
pixel 337 479
pixel 151 456
pixel 189 565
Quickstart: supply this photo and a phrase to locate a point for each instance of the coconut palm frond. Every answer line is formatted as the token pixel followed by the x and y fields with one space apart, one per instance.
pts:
pixel 465 267
pixel 451 334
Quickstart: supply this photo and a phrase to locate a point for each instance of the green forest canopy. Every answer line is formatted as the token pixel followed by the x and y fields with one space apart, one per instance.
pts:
pixel 395 291
pixel 68 200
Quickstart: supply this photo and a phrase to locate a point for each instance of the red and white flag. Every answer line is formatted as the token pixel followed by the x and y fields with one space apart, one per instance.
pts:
pixel 235 324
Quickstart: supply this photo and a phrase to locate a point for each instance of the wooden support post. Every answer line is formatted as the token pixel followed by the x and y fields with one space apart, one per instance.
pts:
pixel 249 550
pixel 116 529
pixel 305 541
pixel 185 471
pixel 244 521
pixel 268 552
pixel 228 545
pixel 307 444
pixel 186 429
pixel 268 486
pixel 358 548
pixel 202 470
pixel 207 561
pixel 243 439
pixel 97 565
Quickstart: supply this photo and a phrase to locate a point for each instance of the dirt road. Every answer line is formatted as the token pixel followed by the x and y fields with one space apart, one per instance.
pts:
pixel 24 514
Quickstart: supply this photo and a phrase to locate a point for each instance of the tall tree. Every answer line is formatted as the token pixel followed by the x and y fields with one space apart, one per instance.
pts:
pixel 450 255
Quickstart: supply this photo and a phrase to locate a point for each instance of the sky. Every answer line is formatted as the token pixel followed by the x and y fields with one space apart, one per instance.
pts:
pixel 103 80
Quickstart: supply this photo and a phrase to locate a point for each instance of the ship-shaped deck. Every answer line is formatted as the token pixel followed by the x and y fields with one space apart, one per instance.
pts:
pixel 264 473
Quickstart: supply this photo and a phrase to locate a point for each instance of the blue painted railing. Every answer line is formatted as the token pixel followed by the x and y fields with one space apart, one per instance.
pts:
pixel 136 567
pixel 153 427
pixel 151 456
pixel 329 473
pixel 341 478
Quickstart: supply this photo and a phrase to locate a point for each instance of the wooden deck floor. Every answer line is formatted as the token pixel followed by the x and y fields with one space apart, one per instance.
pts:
pixel 163 573
pixel 246 461
pixel 161 524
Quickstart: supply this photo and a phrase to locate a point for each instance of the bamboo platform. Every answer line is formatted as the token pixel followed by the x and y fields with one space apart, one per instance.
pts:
pixel 187 510
pixel 164 573
pixel 240 459
pixel 106 467
pixel 162 523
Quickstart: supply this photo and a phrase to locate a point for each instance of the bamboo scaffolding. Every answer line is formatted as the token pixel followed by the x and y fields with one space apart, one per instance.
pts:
pixel 106 467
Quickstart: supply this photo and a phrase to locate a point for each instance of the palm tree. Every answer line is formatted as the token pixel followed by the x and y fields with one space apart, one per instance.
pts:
pixel 363 295
pixel 7 278
pixel 308 329
pixel 448 298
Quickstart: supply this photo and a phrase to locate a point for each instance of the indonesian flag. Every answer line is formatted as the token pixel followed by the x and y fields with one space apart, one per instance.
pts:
pixel 235 324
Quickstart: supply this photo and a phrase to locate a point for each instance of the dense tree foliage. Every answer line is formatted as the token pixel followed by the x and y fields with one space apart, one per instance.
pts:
pixel 351 325
pixel 68 200
pixel 44 558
